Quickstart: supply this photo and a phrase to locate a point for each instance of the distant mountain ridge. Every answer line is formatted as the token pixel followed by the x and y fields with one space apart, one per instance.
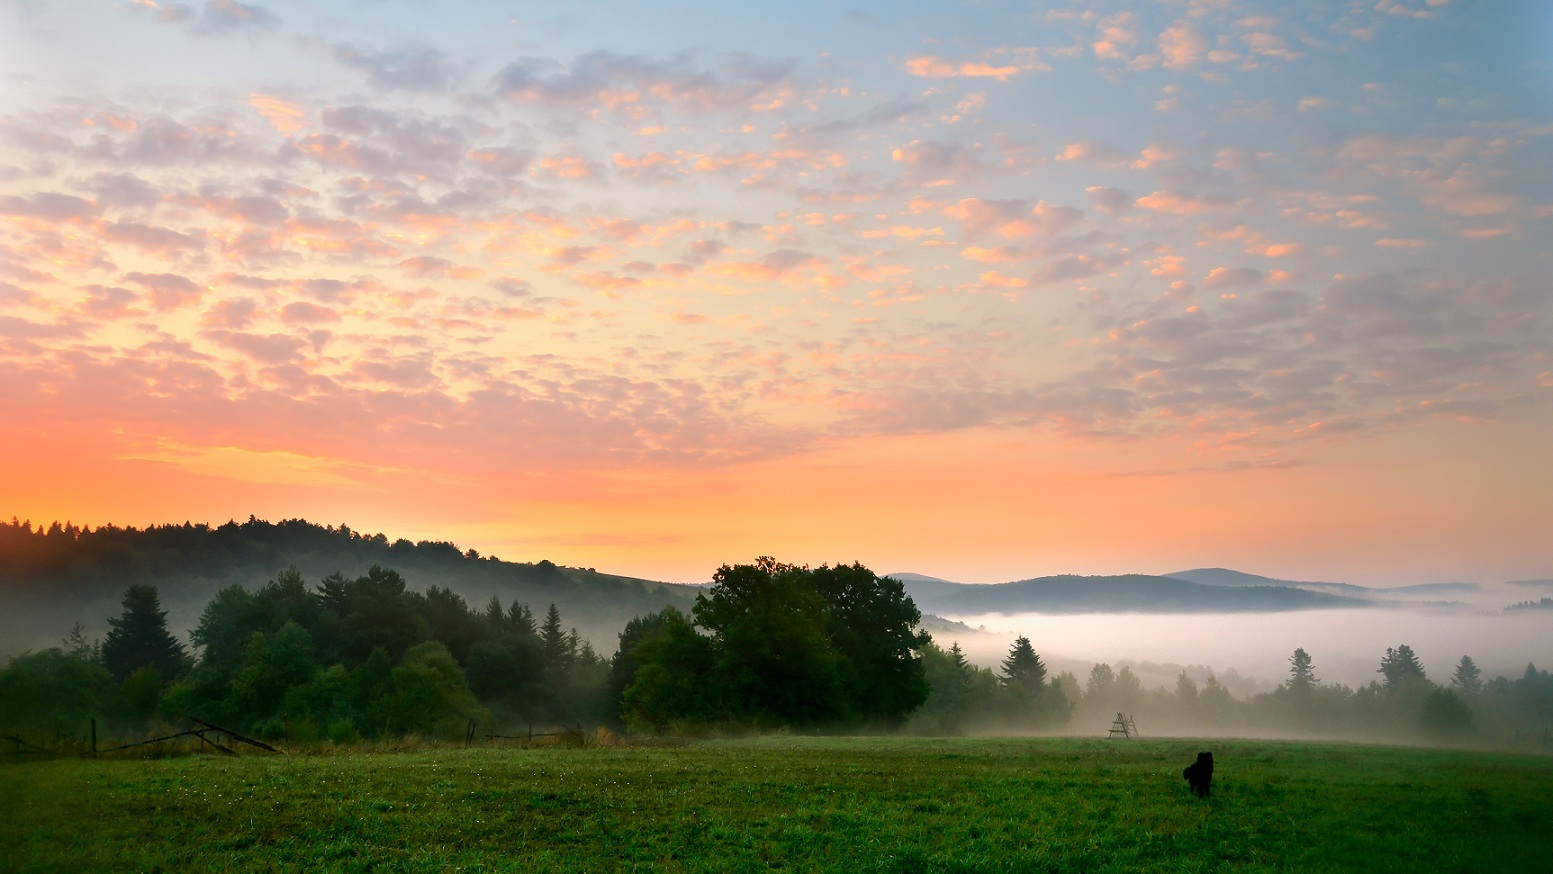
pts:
pixel 1124 593
pixel 1218 576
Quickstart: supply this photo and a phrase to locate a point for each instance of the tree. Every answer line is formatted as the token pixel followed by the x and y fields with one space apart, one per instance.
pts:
pixel 52 691
pixel 1302 675
pixel 674 680
pixel 1468 678
pixel 773 657
pixel 1186 691
pixel 430 694
pixel 623 667
pixel 1444 715
pixel 1101 680
pixel 1023 669
pixel 559 649
pixel 1401 668
pixel 138 638
pixel 872 625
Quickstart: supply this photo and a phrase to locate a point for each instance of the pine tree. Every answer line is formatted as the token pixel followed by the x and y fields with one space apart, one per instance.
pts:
pixel 961 663
pixel 1023 667
pixel 556 642
pixel 139 638
pixel 1302 675
pixel 1401 668
pixel 1467 677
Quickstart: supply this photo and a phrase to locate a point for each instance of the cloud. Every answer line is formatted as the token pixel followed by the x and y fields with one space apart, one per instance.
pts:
pixel 1232 277
pixel 631 83
pixel 501 161
pixel 48 206
pixel 1184 203
pixel 940 163
pixel 233 314
pixel 300 312
pixel 110 302
pixel 229 16
pixel 408 67
pixel 124 191
pixel 265 348
pixel 1113 202
pixel 1181 46
pixel 286 117
pixel 427 267
pixel 999 64
pixel 169 291
pixel 1012 219
pixel 164 241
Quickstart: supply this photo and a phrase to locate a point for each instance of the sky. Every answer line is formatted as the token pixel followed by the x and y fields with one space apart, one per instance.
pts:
pixel 981 290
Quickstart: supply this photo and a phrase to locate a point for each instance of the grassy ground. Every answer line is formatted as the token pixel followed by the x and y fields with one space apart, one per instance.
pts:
pixel 789 804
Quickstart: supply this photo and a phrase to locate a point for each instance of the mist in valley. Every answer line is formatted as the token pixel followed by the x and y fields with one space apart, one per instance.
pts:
pixel 1180 662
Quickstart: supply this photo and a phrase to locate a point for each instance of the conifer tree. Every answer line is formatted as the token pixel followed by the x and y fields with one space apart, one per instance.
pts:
pixel 1401 668
pixel 1468 678
pixel 1302 675
pixel 139 638
pixel 1023 667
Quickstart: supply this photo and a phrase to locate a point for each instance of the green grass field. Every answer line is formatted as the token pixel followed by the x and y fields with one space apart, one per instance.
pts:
pixel 859 805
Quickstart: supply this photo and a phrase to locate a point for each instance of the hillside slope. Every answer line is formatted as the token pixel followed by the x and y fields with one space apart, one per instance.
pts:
pixel 1126 593
pixel 50 580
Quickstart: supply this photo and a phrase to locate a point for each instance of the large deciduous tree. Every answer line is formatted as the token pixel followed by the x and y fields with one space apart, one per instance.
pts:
pixel 773 657
pixel 783 645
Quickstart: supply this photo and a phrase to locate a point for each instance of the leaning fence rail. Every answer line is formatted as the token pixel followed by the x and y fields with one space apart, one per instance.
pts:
pixel 206 732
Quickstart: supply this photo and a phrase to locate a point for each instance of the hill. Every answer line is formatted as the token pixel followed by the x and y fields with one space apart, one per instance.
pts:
pixel 51 579
pixel 1125 593
pixel 1218 576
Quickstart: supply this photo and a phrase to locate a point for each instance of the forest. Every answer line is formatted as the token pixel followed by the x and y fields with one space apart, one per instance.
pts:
pixel 767 646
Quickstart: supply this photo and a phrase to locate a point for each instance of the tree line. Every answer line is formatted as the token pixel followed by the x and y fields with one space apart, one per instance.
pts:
pixel 768 645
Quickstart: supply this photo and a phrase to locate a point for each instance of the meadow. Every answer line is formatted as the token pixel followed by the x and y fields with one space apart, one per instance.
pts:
pixel 787 803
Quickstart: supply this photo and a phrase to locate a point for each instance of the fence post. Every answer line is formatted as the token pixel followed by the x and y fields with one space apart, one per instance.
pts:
pixel 94 736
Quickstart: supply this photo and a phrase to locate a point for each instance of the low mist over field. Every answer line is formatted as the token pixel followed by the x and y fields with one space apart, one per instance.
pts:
pixel 1346 645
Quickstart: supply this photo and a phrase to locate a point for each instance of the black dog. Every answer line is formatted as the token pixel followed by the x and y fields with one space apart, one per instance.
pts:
pixel 1200 774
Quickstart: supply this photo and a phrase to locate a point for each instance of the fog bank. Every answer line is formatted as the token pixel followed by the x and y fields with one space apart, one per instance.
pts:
pixel 1346 645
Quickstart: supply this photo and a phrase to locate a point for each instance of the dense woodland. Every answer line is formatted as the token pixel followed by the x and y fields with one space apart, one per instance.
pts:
pixel 54 576
pixel 767 646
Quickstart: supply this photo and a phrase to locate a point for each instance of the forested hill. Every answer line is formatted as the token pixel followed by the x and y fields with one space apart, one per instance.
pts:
pixel 1125 593
pixel 52 578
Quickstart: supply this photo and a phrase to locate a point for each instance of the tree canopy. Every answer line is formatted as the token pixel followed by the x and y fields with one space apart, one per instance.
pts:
pixel 788 645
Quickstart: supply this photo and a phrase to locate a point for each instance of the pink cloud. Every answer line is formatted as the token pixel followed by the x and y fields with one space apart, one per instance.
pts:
pixel 168 291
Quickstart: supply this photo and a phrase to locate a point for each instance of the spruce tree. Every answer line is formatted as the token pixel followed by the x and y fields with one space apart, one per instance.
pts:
pixel 1401 668
pixel 1023 667
pixel 1302 674
pixel 139 638
pixel 1468 678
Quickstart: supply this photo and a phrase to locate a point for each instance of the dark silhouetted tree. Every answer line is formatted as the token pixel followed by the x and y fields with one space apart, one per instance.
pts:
pixel 138 638
pixel 871 624
pixel 1023 668
pixel 1401 668
pixel 560 650
pixel 1302 674
pixel 1468 678
pixel 675 678
pixel 624 664
pixel 1445 716
pixel 774 660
